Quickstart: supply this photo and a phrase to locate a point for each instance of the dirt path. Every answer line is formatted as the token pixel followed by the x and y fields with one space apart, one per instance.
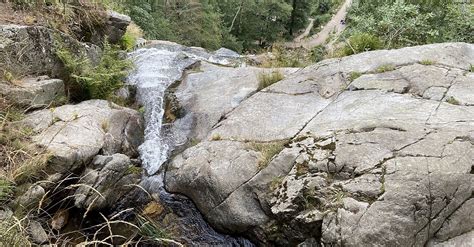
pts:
pixel 320 38
pixel 306 31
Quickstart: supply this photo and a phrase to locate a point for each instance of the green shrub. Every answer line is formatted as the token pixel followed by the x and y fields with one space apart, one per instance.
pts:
pixel 127 42
pixel 354 75
pixel 361 42
pixel 317 53
pixel 129 39
pixel 265 80
pixel 100 81
pixel 427 62
pixel 385 68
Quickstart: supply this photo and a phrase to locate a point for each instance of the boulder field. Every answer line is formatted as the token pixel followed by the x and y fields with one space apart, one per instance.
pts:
pixel 374 149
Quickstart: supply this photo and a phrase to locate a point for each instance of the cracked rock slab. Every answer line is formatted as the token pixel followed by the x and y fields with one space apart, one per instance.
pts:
pixel 384 161
pixel 282 116
pixel 75 134
pixel 209 92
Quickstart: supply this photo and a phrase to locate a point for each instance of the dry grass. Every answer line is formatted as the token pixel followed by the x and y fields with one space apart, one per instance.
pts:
pixel 267 79
pixel 267 151
pixel 20 160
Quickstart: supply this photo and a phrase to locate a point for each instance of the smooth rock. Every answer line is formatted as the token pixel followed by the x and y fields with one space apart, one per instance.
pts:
pixel 37 233
pixel 35 92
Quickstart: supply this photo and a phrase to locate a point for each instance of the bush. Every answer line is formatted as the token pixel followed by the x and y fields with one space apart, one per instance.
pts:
pixel 318 53
pixel 129 39
pixel 96 82
pixel 361 42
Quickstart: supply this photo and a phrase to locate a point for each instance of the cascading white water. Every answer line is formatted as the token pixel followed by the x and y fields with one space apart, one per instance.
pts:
pixel 155 70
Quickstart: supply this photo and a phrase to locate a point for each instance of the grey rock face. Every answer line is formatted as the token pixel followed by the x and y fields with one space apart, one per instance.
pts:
pixel 385 159
pixel 207 94
pixel 75 134
pixel 34 92
pixel 105 181
pixel 30 50
pixel 116 26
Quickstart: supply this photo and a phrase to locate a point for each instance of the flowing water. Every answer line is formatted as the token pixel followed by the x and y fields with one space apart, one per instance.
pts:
pixel 156 68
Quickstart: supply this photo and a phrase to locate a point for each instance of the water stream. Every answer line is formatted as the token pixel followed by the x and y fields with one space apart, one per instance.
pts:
pixel 156 68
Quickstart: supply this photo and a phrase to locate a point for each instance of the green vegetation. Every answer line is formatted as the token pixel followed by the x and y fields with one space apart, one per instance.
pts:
pixel 20 161
pixel 376 24
pixel 130 37
pixel 267 151
pixel 95 81
pixel 6 190
pixel 427 62
pixel 239 25
pixel 471 68
pixel 385 68
pixel 354 75
pixel 152 230
pixel 13 232
pixel 267 79
pixel 360 42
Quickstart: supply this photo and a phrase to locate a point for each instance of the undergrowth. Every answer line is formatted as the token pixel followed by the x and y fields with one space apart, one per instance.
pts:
pixel 20 160
pixel 95 81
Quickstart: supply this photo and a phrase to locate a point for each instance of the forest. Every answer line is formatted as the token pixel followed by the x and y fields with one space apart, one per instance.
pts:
pixel 249 25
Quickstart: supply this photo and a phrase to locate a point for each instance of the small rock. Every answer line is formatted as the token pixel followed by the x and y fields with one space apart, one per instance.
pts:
pixel 37 233
pixel 32 196
pixel 60 219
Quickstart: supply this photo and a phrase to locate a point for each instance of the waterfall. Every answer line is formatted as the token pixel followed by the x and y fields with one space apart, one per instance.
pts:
pixel 156 68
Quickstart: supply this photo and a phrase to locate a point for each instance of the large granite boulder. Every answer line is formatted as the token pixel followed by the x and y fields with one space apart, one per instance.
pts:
pixel 75 134
pixel 374 149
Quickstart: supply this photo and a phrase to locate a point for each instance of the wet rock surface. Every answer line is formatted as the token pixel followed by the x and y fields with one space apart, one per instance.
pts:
pixel 383 159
